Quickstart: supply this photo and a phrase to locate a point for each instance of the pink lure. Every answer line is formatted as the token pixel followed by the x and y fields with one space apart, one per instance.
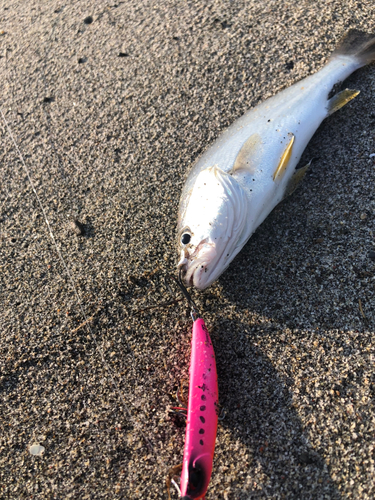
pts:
pixel 202 416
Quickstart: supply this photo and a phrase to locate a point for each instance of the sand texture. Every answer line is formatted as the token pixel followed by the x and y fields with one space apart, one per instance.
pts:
pixel 110 104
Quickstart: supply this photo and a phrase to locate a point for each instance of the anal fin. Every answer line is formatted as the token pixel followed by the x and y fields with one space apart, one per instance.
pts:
pixel 296 179
pixel 339 100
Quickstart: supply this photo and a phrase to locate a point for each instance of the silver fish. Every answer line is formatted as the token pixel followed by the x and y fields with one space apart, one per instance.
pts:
pixel 252 166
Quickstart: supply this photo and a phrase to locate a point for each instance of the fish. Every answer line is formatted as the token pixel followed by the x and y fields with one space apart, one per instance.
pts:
pixel 251 167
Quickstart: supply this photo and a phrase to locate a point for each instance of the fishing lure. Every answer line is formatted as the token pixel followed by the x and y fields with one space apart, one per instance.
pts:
pixel 202 410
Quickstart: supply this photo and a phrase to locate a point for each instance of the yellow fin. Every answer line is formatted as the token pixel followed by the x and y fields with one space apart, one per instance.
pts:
pixel 296 179
pixel 339 100
pixel 248 157
pixel 284 160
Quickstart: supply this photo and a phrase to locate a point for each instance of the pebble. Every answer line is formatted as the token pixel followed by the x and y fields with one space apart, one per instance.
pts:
pixel 76 227
pixel 37 450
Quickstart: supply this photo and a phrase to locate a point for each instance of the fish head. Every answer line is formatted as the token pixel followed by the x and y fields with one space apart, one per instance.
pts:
pixel 212 227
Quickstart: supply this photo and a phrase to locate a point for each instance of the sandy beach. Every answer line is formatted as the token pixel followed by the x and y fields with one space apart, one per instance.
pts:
pixel 105 107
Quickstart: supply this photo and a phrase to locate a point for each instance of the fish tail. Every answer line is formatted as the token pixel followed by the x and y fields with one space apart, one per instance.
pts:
pixel 358 45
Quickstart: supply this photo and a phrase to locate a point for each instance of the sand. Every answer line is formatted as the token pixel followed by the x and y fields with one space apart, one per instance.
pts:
pixel 110 104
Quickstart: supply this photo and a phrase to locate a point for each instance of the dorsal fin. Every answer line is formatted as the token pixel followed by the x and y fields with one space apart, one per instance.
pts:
pixel 284 160
pixel 248 156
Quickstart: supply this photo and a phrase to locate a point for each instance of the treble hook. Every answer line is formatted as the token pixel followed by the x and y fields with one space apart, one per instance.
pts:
pixel 193 308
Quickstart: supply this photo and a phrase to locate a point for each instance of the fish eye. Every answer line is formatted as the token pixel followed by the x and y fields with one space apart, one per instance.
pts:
pixel 185 238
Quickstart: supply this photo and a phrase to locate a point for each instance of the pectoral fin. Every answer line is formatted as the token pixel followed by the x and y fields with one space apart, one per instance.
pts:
pixel 284 160
pixel 339 100
pixel 248 157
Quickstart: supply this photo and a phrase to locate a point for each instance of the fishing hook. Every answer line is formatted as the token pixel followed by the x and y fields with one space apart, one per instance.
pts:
pixel 193 307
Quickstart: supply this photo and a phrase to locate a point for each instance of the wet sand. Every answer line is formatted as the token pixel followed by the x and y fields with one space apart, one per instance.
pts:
pixel 110 104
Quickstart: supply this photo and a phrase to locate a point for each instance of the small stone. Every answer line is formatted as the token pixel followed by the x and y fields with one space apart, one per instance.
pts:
pixel 289 65
pixel 371 254
pixel 88 20
pixel 363 216
pixel 76 227
pixel 306 459
pixel 37 450
pixel 349 409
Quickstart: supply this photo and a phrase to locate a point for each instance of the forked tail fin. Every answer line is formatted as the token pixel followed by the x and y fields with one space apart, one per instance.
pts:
pixel 357 44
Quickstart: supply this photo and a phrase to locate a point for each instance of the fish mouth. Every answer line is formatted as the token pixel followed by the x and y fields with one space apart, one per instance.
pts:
pixel 196 267
pixel 208 261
